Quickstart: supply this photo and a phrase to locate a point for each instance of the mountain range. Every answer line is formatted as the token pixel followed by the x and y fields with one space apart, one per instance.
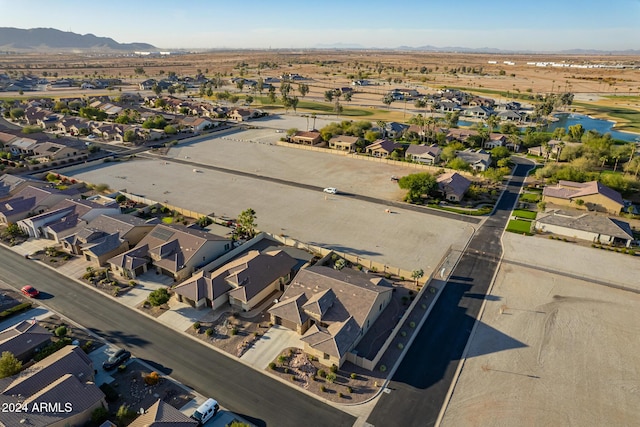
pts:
pixel 50 39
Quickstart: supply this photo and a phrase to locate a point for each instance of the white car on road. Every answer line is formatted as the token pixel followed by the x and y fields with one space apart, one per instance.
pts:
pixel 331 190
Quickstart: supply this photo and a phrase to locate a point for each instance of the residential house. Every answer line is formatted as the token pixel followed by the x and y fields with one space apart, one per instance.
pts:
pixel 12 184
pixel 244 114
pixel 509 116
pixel 72 125
pixel 448 106
pixel 22 146
pixel 478 111
pixel 243 282
pixel 453 186
pixel 394 130
pixel 174 250
pixel 461 135
pixel 30 200
pixel 162 414
pixel 482 102
pixel 24 339
pixel 344 143
pixel 585 226
pixel 63 216
pixel 479 160
pixel 584 195
pixel 147 84
pixel 66 377
pixel 6 138
pixel 552 149
pixel 50 121
pixel 382 148
pixel 196 124
pixel 496 140
pixel 425 154
pixel 306 138
pixel 50 151
pixel 331 309
pixel 110 131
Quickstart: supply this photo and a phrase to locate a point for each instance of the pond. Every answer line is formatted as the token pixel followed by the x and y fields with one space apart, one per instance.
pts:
pixel 569 119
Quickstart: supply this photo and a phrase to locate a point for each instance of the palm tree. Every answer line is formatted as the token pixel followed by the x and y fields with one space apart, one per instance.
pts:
pixel 559 148
pixel 381 125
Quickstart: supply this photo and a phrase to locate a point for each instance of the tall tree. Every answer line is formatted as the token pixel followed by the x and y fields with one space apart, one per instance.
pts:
pixel 246 227
pixel 9 364
pixel 303 89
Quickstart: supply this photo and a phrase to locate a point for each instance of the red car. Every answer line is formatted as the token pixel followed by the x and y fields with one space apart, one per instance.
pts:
pixel 30 291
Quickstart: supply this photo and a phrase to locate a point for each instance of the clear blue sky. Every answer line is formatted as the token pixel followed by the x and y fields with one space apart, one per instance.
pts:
pixel 540 25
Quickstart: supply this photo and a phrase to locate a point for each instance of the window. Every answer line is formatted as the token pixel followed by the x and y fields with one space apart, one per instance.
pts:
pixel 380 309
pixel 325 356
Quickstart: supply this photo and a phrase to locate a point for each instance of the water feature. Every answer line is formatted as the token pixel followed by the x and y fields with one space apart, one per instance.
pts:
pixel 568 119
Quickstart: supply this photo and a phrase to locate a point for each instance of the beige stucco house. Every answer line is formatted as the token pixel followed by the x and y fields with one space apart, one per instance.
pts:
pixel 584 195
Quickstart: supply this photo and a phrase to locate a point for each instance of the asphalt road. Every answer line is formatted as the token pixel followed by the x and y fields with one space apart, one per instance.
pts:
pixel 256 397
pixel 420 385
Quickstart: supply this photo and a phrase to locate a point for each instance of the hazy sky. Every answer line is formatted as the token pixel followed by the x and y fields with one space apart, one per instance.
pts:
pixel 541 25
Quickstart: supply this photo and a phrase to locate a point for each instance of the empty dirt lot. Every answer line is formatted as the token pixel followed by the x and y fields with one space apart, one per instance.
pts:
pixel 406 239
pixel 563 351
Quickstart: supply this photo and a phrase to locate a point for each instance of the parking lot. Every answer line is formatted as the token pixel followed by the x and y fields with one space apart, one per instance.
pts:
pixel 405 239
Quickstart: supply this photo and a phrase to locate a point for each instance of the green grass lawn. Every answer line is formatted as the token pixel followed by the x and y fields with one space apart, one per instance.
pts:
pixel 167 220
pixel 519 226
pixel 530 197
pixel 523 213
pixel 485 210
pixel 324 108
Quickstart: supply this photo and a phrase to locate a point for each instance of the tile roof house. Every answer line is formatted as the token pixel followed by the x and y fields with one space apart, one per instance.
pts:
pixel 92 239
pixel 457 134
pixel 593 194
pixel 24 339
pixel 382 148
pixel 453 185
pixel 306 138
pixel 243 282
pixel 495 140
pixel 63 216
pixel 394 129
pixel 585 226
pixel 478 111
pixel 50 151
pixel 479 160
pixel 30 200
pixel 66 377
pixel 243 114
pixel 161 414
pixel 22 146
pixel 425 154
pixel 344 143
pixel 175 251
pixel 196 124
pixel 331 309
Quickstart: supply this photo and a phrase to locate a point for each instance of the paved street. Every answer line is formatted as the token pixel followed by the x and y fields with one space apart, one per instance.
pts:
pixel 420 385
pixel 256 397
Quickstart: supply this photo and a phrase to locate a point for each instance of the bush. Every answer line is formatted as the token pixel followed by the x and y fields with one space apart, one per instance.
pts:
pixel 272 366
pixel 208 332
pixel 87 346
pixel 99 415
pixel 110 393
pixel 323 388
pixel 333 369
pixel 353 376
pixel 51 348
pixel 400 346
pixel 383 368
pixel 349 390
pixel 403 333
pixel 412 324
pixel 322 373
pixel 158 297
pixel 331 377
pixel 340 394
pixel 286 370
pixel 132 283
pixel 15 310
pixel 115 291
pixel 293 377
pixel 152 379
pixel 122 368
pixel 234 331
pixel 281 359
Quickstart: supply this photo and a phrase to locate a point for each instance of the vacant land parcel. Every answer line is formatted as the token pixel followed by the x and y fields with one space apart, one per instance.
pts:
pixel 552 349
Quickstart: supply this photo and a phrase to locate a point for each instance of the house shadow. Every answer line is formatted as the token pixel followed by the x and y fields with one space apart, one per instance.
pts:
pixel 341 248
pixel 488 340
pixel 121 338
pixel 484 297
pixel 158 367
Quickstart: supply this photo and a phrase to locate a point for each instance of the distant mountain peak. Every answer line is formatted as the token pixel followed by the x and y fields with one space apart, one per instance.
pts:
pixel 51 39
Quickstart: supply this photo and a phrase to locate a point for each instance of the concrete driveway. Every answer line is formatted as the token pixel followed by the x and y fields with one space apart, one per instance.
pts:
pixel 270 345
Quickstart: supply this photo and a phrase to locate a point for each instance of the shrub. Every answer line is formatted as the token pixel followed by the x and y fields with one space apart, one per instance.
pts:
pixel 331 377
pixel 424 306
pixel 412 324
pixel 51 348
pixel 158 297
pixel 333 369
pixel 282 358
pixel 340 394
pixel 400 346
pixel 403 333
pixel 208 332
pixel 432 290
pixel 99 415
pixel 110 393
pixel 14 310
pixel 293 378
pixel 234 331
pixel 152 379
pixel 115 291
pixel 286 370
pixel 383 368
pixel 353 376
pixel 272 366
pixel 122 368
pixel 323 388
pixel 60 331
pixel 196 325
pixel 322 373
pixel 349 390
pixel 132 283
